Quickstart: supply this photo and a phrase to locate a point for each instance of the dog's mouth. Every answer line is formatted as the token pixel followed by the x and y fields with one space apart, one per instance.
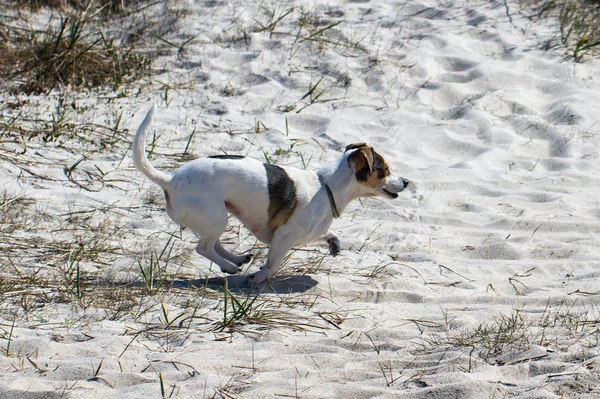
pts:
pixel 394 186
pixel 389 193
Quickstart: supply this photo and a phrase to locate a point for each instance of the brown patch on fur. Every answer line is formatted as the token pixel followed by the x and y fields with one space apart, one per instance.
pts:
pixel 369 167
pixel 362 161
pixel 280 219
pixel 282 196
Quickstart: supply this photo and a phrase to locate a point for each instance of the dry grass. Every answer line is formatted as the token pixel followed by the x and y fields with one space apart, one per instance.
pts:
pixel 557 328
pixel 108 7
pixel 75 47
pixel 49 259
pixel 579 24
pixel 252 312
pixel 46 259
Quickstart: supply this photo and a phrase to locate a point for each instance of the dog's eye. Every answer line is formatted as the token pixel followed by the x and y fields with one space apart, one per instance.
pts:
pixel 382 171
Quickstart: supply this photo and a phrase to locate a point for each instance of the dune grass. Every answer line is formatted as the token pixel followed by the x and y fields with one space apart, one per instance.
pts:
pixel 76 47
pixel 504 336
pixel 107 7
pixel 579 25
pixel 257 311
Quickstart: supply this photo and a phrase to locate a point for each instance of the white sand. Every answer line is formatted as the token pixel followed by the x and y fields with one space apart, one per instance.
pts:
pixel 498 137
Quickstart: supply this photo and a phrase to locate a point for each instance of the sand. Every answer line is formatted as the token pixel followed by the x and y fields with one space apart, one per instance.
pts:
pixel 479 281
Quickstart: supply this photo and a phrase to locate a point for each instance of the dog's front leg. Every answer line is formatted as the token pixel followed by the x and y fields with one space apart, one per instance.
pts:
pixel 333 241
pixel 280 246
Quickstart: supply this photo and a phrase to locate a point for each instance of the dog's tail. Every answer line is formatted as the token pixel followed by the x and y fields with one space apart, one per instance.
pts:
pixel 139 153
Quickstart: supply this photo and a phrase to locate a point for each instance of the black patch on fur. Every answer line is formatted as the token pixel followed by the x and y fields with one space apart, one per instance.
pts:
pixel 282 196
pixel 362 174
pixel 226 156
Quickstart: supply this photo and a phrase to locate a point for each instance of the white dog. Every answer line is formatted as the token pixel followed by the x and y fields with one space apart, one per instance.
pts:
pixel 281 206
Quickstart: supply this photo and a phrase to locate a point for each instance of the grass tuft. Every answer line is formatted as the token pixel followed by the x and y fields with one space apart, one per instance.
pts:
pixel 579 25
pixel 74 49
pixel 154 271
pixel 107 7
pixel 557 328
pixel 239 310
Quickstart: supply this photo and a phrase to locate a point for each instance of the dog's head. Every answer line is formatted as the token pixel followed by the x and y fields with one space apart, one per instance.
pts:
pixel 373 173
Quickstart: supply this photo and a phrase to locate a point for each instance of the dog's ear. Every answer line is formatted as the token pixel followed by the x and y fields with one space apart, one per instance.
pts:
pixel 355 146
pixel 362 162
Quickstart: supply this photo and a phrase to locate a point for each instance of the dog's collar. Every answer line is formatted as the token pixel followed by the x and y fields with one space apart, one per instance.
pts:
pixel 334 210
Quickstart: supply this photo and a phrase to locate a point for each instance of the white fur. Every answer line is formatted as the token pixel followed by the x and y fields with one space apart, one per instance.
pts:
pixel 197 194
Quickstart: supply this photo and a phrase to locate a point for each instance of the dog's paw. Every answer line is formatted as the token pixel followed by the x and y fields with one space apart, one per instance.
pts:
pixel 245 259
pixel 334 246
pixel 257 278
pixel 230 269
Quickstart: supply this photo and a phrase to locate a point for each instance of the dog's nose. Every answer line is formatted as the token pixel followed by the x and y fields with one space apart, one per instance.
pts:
pixel 405 182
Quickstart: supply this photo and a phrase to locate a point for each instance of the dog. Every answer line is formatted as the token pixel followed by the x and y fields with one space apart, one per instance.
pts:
pixel 282 206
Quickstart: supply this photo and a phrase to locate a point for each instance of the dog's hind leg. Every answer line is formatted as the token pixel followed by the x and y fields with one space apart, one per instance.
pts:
pixel 208 225
pixel 237 259
pixel 206 248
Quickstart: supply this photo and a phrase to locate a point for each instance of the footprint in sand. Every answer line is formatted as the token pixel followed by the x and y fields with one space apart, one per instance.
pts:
pixel 475 18
pixel 558 144
pixel 431 13
pixel 517 108
pixel 561 112
pixel 415 197
pixel 459 70
pixel 253 79
pixel 456 64
pixel 412 213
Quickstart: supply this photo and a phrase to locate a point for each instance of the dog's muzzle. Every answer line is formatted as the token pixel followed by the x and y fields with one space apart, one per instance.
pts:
pixel 394 186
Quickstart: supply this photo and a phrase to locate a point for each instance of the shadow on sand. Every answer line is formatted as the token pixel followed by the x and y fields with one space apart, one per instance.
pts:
pixel 239 284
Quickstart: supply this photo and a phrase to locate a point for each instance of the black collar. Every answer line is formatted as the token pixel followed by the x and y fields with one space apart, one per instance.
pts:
pixel 334 210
